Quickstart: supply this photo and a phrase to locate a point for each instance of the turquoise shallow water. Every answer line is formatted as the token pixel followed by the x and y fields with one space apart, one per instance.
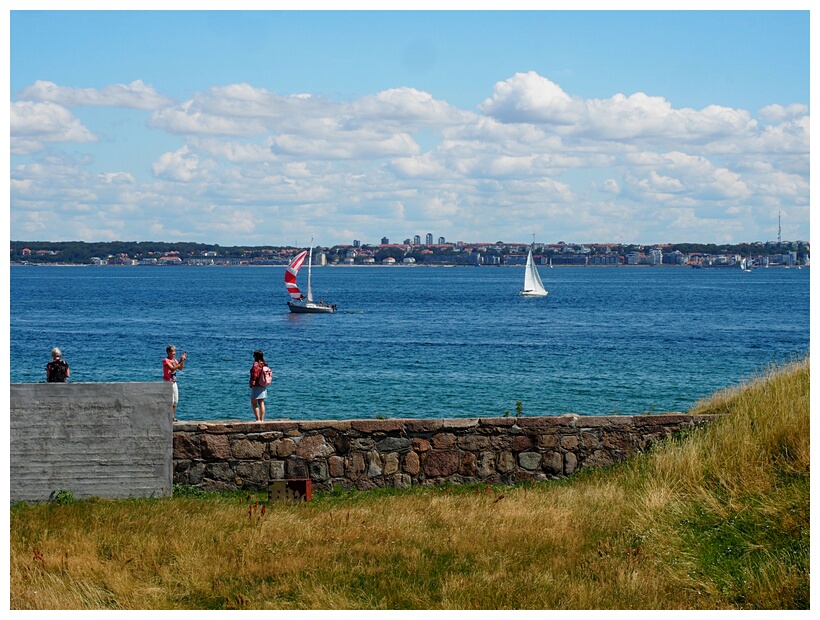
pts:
pixel 415 341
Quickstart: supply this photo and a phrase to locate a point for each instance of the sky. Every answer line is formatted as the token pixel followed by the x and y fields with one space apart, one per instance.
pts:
pixel 274 127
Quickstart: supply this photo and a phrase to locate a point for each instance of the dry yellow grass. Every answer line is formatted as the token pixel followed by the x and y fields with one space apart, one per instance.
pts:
pixel 648 534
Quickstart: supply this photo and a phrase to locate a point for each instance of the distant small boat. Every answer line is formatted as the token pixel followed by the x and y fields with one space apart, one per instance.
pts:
pixel 533 286
pixel 744 265
pixel 298 303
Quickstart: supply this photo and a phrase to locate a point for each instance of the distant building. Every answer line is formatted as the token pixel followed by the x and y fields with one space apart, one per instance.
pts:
pixel 674 258
pixel 385 241
pixel 569 259
pixel 357 243
pixel 417 240
pixel 515 259
pixel 441 241
pixel 610 258
pixel 429 239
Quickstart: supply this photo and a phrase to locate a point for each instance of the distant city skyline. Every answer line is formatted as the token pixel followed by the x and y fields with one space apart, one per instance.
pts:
pixel 272 127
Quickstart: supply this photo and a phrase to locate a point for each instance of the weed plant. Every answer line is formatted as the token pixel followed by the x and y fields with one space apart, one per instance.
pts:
pixel 717 518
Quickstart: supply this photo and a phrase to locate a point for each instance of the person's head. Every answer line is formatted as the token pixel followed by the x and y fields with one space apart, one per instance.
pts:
pixel 170 350
pixel 56 353
pixel 258 356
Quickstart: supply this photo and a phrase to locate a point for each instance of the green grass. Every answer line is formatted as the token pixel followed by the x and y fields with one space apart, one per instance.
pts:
pixel 717 518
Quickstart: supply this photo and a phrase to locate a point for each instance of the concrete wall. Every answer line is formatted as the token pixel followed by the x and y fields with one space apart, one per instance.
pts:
pixel 363 454
pixel 108 440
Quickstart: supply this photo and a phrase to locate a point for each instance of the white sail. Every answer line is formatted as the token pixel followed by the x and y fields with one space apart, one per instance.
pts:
pixel 532 280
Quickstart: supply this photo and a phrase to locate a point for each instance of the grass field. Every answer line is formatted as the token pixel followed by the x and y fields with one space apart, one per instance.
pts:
pixel 715 519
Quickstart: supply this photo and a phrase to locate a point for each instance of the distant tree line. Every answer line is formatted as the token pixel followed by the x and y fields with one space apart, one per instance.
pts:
pixel 81 252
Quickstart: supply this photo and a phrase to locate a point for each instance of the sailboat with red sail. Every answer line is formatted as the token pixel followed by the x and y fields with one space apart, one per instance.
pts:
pixel 299 302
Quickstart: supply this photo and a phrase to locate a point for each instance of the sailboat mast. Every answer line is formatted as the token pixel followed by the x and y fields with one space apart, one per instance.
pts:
pixel 310 266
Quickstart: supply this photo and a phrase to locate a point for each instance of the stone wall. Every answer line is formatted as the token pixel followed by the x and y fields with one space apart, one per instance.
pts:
pixel 108 440
pixel 363 454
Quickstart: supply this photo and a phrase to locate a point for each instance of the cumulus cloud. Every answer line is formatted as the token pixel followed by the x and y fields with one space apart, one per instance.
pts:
pixel 32 124
pixel 406 106
pixel 137 95
pixel 778 113
pixel 180 165
pixel 530 98
pixel 400 159
pixel 117 178
pixel 350 145
pixel 188 118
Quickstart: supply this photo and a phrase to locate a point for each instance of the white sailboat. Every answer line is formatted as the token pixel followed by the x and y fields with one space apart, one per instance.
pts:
pixel 744 265
pixel 298 302
pixel 533 286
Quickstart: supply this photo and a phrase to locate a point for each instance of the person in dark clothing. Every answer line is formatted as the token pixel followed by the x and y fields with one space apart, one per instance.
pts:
pixel 57 370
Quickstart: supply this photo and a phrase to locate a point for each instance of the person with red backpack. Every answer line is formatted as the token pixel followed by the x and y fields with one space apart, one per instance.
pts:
pixel 57 370
pixel 261 377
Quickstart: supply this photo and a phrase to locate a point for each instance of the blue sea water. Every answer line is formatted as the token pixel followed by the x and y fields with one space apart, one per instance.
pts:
pixel 415 342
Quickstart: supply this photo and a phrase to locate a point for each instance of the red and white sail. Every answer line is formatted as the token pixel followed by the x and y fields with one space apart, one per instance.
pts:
pixel 290 274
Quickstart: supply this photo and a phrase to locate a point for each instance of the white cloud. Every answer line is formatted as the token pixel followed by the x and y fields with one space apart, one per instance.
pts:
pixel 117 178
pixel 530 98
pixel 399 160
pixel 134 95
pixel 32 124
pixel 778 113
pixel 657 183
pixel 188 118
pixel 180 165
pixel 349 145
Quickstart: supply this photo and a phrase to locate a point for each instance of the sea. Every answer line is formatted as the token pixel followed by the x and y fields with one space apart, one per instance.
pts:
pixel 415 341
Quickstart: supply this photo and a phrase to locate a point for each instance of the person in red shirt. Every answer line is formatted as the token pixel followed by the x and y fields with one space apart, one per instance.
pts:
pixel 258 392
pixel 170 365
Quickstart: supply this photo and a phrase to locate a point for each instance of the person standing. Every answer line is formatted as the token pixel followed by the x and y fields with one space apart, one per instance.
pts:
pixel 170 365
pixel 260 379
pixel 57 370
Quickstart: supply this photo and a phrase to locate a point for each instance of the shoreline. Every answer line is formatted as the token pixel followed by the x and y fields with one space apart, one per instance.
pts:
pixel 718 267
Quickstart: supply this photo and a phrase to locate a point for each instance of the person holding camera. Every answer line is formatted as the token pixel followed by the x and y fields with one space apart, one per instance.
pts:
pixel 170 365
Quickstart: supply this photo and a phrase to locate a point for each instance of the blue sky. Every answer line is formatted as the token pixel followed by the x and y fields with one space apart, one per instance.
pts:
pixel 271 127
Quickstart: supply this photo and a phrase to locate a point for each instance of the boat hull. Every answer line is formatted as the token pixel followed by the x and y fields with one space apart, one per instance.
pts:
pixel 532 294
pixel 310 308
